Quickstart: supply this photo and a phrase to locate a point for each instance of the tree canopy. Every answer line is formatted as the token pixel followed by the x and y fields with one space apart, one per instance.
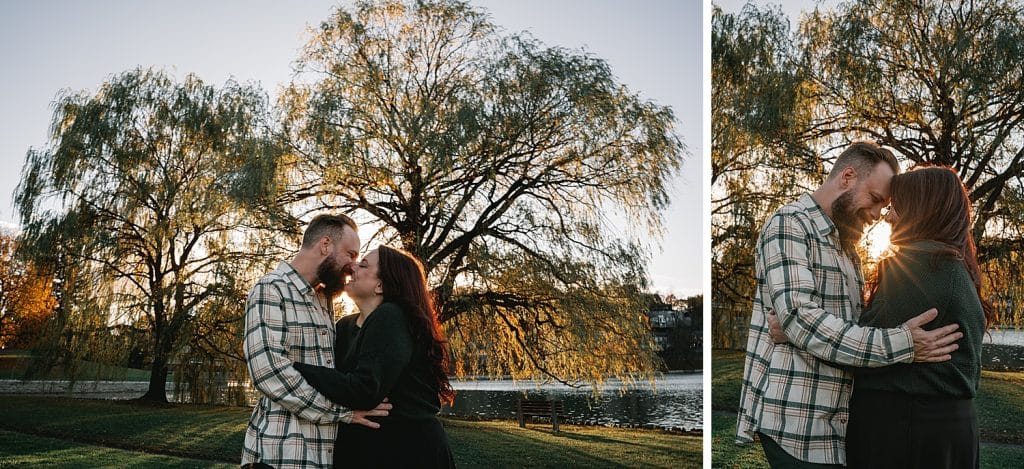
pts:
pixel 516 171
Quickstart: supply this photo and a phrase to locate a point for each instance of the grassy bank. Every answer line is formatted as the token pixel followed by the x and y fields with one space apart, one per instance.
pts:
pixel 999 403
pixel 78 430
pixel 14 365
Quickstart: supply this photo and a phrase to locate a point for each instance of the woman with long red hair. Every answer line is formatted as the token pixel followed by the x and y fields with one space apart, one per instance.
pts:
pixel 394 349
pixel 922 415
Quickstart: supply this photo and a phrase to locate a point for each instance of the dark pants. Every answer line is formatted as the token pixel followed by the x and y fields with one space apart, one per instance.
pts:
pixel 778 458
pixel 396 444
pixel 895 430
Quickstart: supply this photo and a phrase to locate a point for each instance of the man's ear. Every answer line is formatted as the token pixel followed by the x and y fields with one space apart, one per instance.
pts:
pixel 379 289
pixel 325 245
pixel 847 178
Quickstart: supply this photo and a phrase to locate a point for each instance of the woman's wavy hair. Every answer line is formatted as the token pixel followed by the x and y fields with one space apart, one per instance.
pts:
pixel 932 204
pixel 404 282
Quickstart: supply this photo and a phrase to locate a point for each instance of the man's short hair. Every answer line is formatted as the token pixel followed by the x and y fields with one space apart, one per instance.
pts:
pixel 863 157
pixel 326 225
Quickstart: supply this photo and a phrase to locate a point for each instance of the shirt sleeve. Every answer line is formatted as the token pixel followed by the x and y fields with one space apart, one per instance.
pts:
pixel 266 355
pixel 385 350
pixel 796 300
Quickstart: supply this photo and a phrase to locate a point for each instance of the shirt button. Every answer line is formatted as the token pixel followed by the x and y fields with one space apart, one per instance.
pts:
pixel 323 332
pixel 328 361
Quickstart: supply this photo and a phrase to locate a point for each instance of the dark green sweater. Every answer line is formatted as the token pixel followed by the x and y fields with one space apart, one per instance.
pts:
pixel 378 360
pixel 913 281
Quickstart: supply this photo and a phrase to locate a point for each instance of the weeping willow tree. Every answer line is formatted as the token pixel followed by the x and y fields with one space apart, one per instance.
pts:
pixel 521 174
pixel 138 206
pixel 938 81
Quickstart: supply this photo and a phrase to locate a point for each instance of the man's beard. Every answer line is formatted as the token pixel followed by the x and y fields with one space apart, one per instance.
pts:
pixel 332 276
pixel 849 221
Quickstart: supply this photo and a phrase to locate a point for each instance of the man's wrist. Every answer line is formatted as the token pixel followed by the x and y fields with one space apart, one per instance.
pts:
pixel 345 415
pixel 903 332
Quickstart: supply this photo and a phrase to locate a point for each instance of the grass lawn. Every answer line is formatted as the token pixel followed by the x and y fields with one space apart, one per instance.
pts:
pixel 128 430
pixel 999 403
pixel 19 449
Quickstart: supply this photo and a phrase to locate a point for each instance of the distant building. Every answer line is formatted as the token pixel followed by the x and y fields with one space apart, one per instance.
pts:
pixel 663 322
pixel 677 336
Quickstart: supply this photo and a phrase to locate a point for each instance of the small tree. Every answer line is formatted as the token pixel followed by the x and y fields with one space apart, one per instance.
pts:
pixel 26 298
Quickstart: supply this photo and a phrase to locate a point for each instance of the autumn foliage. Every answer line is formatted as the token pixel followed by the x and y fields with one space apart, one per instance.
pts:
pixel 26 298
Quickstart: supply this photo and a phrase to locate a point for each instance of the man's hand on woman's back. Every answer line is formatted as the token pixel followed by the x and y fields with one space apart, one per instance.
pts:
pixel 929 346
pixel 934 345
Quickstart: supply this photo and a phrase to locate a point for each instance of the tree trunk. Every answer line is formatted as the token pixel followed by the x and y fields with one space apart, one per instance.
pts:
pixel 157 379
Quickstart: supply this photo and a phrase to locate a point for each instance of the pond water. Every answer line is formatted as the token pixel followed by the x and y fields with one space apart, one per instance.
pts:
pixel 1003 349
pixel 673 403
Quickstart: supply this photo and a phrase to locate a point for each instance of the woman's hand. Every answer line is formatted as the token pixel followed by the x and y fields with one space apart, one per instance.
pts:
pixel 775 330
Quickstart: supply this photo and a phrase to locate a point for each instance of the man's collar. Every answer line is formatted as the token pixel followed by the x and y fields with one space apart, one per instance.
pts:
pixel 821 221
pixel 293 276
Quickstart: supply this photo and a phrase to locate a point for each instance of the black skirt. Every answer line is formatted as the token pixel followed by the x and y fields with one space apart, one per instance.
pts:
pixel 396 444
pixel 895 430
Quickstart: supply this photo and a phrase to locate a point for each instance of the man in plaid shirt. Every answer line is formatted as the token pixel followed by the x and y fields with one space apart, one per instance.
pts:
pixel 795 394
pixel 289 318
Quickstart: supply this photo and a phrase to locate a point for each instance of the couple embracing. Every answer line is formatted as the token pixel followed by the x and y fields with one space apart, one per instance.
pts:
pixel 364 392
pixel 838 374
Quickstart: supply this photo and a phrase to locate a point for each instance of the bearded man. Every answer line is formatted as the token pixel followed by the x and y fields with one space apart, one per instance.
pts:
pixel 289 318
pixel 795 395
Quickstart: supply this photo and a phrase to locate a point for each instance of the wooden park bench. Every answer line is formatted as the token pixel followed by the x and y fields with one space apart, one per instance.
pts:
pixel 553 410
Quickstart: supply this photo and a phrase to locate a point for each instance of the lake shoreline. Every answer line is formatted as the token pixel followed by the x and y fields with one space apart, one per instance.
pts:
pixel 640 428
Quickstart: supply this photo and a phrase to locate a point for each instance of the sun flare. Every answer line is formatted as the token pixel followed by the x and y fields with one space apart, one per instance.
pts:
pixel 876 240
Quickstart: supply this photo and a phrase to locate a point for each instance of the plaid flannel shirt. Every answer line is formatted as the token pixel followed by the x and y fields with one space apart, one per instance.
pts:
pixel 292 425
pixel 797 393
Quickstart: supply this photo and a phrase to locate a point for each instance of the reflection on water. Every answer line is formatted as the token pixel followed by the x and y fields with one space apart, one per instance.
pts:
pixel 1003 349
pixel 674 403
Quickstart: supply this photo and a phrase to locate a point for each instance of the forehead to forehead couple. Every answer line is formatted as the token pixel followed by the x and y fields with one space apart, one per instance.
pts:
pixel 866 179
pixel 815 330
pixel 857 189
pixel 355 388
